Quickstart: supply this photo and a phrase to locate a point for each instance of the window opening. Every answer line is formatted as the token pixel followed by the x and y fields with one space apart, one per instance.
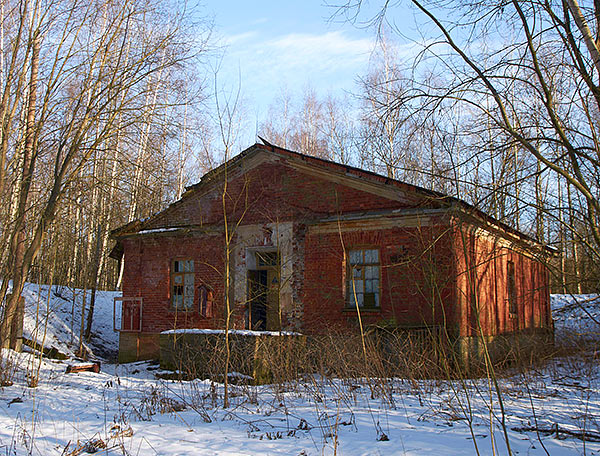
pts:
pixel 511 288
pixel 182 284
pixel 267 259
pixel 363 278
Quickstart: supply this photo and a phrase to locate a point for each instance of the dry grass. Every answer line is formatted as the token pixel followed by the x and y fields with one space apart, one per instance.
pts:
pixel 7 370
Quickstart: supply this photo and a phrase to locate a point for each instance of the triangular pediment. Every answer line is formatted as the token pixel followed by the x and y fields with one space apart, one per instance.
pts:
pixel 291 185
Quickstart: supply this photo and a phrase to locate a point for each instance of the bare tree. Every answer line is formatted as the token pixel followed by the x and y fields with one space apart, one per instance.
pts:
pixel 530 70
pixel 387 134
pixel 88 67
pixel 321 127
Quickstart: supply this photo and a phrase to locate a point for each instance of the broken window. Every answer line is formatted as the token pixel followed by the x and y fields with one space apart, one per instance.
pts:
pixel 511 285
pixel 363 278
pixel 267 259
pixel 182 284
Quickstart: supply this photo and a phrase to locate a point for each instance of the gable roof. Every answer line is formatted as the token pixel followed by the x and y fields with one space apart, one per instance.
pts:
pixel 440 199
pixel 319 162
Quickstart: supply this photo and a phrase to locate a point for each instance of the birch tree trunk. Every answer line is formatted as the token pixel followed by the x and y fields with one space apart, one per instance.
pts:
pixel 9 326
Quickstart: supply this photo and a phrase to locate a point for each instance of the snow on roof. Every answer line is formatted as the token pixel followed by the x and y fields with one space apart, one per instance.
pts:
pixel 158 230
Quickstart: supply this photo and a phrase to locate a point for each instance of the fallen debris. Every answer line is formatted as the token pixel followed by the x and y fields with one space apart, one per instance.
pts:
pixel 52 352
pixel 83 367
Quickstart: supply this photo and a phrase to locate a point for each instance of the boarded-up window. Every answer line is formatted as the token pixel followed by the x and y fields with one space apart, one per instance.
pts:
pixel 182 284
pixel 511 285
pixel 363 278
pixel 127 314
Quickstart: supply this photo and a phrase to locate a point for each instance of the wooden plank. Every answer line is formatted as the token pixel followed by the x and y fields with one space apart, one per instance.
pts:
pixel 83 367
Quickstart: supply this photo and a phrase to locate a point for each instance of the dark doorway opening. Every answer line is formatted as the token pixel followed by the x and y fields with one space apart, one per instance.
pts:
pixel 263 293
pixel 257 305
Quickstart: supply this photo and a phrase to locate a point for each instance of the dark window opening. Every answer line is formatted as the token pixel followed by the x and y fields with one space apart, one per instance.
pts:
pixel 511 284
pixel 257 305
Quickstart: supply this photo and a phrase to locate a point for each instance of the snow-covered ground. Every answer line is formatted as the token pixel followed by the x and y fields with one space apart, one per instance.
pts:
pixel 55 320
pixel 576 315
pixel 124 409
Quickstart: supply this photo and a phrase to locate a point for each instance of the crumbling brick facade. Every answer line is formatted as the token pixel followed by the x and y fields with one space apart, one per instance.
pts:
pixel 311 244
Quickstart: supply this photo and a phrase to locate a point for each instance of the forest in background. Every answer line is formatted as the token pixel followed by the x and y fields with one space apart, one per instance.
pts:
pixel 109 109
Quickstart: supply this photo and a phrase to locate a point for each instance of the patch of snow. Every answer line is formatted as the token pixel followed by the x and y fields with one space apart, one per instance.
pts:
pixel 237 332
pixel 239 375
pixel 158 230
pixel 576 315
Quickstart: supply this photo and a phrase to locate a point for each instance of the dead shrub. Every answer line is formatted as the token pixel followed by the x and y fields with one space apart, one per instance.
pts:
pixel 7 370
pixel 156 401
pixel 340 354
pixel 383 354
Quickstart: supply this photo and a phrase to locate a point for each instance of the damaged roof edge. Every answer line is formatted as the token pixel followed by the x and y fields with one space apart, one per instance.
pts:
pixel 173 230
pixel 128 227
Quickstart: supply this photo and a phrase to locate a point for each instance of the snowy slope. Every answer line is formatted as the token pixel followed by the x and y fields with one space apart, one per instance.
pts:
pixel 576 315
pixel 54 320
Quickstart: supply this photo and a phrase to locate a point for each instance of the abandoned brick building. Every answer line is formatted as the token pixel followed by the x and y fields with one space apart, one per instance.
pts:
pixel 310 243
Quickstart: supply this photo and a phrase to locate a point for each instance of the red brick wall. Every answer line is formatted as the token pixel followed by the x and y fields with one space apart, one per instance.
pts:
pixel 147 274
pixel 486 268
pixel 273 192
pixel 417 283
pixel 270 192
pixel 423 272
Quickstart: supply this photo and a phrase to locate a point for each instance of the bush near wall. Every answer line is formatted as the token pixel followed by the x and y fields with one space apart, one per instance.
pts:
pixel 263 356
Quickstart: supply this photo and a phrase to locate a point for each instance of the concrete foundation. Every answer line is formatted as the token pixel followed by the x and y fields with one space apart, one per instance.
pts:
pixel 134 346
pixel 203 355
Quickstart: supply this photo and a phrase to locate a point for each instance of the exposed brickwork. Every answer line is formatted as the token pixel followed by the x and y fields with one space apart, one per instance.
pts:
pixel 147 274
pixel 427 262
pixel 416 283
pixel 274 191
pixel 483 291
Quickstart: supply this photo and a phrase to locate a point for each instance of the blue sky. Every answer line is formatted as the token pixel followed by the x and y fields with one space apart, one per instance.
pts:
pixel 272 46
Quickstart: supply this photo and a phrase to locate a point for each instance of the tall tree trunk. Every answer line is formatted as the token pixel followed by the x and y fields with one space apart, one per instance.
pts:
pixel 8 326
pixel 9 102
pixel 561 231
pixel 539 205
pixel 574 246
pixel 516 186
pixel 182 156
pixel 94 280
pixel 139 166
pixel 588 37
pixel 72 275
